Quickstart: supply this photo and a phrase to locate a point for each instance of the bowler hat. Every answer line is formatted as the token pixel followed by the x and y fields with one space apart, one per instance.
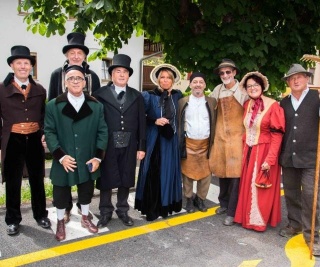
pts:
pixel 121 60
pixel 20 51
pixel 75 40
pixel 225 63
pixel 294 69
pixel 157 69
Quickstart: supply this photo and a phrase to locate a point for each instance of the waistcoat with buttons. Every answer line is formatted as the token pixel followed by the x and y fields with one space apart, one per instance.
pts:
pixel 299 145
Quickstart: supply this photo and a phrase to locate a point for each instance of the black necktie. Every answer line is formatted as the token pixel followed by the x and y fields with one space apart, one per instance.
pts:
pixel 120 95
pixel 23 87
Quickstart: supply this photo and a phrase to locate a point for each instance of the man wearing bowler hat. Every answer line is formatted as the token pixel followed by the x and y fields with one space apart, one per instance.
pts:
pixel 299 155
pixel 226 153
pixel 76 53
pixel 125 116
pixel 22 107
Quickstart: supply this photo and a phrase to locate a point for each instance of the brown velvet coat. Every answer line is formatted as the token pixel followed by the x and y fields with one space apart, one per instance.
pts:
pixel 15 109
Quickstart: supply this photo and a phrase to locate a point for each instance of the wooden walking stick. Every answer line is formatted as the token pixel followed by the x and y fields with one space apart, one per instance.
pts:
pixel 315 196
pixel 312 58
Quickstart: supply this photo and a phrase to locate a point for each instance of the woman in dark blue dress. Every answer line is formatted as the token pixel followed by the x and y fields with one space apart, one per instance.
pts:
pixel 159 189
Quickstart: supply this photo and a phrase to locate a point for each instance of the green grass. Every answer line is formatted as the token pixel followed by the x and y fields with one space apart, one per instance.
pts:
pixel 26 194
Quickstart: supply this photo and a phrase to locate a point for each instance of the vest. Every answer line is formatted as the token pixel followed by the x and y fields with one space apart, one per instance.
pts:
pixel 299 145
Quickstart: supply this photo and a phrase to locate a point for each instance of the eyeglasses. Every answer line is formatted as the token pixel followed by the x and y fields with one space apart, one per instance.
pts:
pixel 228 72
pixel 75 79
pixel 253 86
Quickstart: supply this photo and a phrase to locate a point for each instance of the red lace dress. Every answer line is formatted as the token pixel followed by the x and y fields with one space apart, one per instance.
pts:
pixel 258 207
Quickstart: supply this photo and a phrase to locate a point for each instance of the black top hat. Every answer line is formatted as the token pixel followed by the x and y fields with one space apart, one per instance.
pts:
pixel 20 51
pixel 121 60
pixel 75 40
pixel 226 63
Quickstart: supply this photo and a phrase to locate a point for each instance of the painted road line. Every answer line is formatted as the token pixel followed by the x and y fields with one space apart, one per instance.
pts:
pixel 74 229
pixel 298 252
pixel 104 239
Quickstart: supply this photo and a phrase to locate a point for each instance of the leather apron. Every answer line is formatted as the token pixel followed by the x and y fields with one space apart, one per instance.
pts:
pixel 226 153
pixel 196 165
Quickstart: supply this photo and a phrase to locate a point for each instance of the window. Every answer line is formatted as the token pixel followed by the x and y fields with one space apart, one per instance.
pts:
pixel 106 63
pixel 22 12
pixel 34 71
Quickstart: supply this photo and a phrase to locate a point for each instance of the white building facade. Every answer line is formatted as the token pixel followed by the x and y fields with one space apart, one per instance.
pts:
pixel 48 51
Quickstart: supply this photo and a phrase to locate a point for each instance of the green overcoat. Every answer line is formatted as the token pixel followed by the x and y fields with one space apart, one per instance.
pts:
pixel 83 135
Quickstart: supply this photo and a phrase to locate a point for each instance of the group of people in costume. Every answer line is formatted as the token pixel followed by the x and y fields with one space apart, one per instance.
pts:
pixel 96 135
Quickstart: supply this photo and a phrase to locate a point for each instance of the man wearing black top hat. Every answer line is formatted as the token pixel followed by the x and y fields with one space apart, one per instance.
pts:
pixel 75 52
pixel 22 107
pixel 125 116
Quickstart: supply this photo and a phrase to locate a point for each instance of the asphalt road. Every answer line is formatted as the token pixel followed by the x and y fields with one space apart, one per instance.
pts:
pixel 198 239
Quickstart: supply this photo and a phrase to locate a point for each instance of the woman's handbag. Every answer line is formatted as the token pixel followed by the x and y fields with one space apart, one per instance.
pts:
pixel 262 180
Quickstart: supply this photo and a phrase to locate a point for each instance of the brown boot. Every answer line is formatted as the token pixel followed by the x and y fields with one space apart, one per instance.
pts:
pixel 61 230
pixel 86 223
pixel 67 215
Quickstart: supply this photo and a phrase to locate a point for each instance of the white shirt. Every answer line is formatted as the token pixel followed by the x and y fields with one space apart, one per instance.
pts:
pixel 296 102
pixel 76 101
pixel 119 89
pixel 21 83
pixel 197 123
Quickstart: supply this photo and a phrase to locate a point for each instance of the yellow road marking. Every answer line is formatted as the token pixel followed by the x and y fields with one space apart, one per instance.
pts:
pixel 298 252
pixel 252 263
pixel 103 239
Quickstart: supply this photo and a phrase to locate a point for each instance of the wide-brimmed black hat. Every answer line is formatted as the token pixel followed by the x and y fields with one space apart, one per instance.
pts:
pixel 121 60
pixel 225 63
pixel 20 51
pixel 75 40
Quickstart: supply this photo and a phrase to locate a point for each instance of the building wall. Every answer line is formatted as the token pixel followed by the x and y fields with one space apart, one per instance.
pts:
pixel 49 50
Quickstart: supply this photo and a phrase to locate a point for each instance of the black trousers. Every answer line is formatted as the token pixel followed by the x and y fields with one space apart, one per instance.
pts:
pixel 228 195
pixel 24 149
pixel 106 206
pixel 61 194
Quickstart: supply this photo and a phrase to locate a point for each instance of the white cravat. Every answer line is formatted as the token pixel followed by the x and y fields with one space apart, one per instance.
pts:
pixel 76 101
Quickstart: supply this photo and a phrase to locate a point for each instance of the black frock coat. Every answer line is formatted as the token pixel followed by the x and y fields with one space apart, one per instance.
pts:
pixel 119 165
pixel 57 80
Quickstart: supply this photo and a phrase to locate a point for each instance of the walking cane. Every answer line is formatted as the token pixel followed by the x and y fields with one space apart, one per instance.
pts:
pixel 312 58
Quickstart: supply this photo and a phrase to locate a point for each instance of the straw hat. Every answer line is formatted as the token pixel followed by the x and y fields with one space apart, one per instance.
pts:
pixel 258 74
pixel 156 71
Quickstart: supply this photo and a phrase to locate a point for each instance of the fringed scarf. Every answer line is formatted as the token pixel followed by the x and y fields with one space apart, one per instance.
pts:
pixel 258 105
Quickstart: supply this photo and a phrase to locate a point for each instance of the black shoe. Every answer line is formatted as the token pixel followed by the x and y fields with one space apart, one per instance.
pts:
pixel 13 229
pixel 104 220
pixel 189 205
pixel 199 203
pixel 125 218
pixel 221 210
pixel 44 222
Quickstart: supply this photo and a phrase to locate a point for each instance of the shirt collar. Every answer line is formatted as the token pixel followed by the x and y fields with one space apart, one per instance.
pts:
pixel 21 83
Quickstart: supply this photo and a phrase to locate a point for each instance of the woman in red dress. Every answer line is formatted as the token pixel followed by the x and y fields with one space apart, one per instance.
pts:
pixel 259 193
